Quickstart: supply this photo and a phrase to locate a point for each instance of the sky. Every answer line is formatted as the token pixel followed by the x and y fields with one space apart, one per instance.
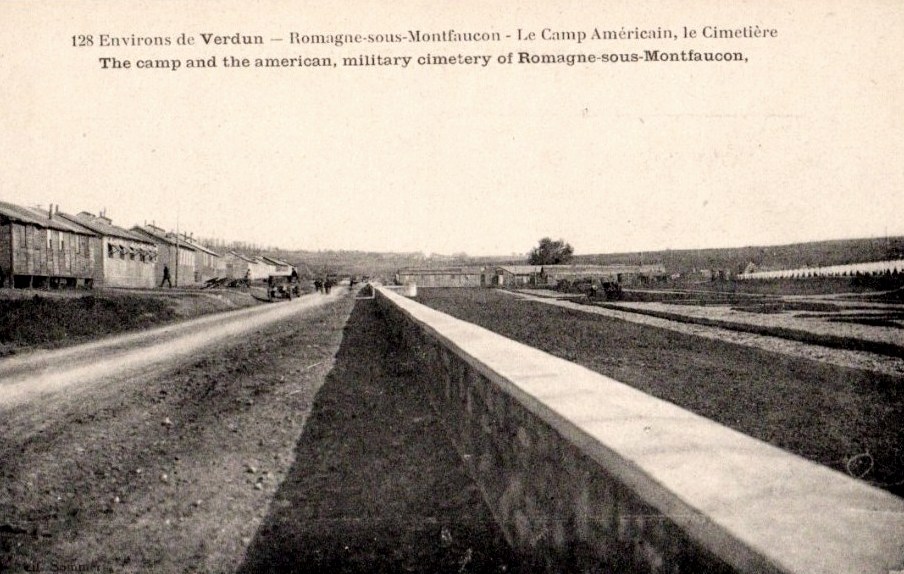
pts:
pixel 802 142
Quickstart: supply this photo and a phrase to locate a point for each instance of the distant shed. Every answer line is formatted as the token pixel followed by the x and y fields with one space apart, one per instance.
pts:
pixel 240 266
pixel 279 267
pixel 41 249
pixel 625 274
pixel 208 263
pixel 442 276
pixel 516 275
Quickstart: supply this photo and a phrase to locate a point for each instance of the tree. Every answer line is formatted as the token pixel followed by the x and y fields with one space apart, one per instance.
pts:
pixel 550 252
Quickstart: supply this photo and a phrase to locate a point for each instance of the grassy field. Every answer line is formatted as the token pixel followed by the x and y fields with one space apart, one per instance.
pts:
pixel 843 418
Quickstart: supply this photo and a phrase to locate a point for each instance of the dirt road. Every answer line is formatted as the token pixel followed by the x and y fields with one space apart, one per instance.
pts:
pixel 165 460
pixel 116 358
pixel 272 432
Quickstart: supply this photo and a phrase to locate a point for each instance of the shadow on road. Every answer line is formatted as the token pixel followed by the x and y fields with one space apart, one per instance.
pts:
pixel 376 486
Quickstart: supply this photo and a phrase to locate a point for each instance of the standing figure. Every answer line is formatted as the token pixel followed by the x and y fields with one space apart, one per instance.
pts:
pixel 166 277
pixel 318 285
pixel 327 285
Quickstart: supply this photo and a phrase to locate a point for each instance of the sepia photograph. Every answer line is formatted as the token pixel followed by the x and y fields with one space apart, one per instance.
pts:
pixel 452 287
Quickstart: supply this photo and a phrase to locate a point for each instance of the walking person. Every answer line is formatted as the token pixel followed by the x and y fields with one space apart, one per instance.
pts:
pixel 166 277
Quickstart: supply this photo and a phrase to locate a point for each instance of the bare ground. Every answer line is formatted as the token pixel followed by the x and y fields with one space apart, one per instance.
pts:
pixel 160 474
pixel 376 485
pixel 732 332
pixel 271 452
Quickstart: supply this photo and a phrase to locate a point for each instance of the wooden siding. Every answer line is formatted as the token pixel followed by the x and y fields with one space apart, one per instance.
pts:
pixel 166 256
pixel 516 279
pixel 124 270
pixel 463 279
pixel 205 266
pixel 6 248
pixel 51 253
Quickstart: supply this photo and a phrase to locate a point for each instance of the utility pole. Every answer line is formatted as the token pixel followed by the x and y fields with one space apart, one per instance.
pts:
pixel 177 248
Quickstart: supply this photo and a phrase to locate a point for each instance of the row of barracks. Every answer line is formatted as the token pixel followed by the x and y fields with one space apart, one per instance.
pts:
pixel 50 248
pixel 529 275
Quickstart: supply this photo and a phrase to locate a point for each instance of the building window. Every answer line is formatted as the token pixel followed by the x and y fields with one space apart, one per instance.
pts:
pixel 49 240
pixel 110 250
pixel 62 241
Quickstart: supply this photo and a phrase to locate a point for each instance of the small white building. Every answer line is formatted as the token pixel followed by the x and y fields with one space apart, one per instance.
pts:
pixel 279 267
pixel 239 266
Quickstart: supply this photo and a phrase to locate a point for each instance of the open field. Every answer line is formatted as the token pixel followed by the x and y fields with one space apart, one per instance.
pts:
pixel 789 256
pixel 844 418
pixel 733 332
pixel 870 329
pixel 866 286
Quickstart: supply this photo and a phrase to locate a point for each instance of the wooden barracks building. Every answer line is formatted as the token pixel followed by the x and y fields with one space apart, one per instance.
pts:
pixel 42 249
pixel 124 259
pixel 173 253
pixel 47 248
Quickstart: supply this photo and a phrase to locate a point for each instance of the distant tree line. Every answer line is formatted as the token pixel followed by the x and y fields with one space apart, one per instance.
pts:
pixel 813 254
pixel 217 244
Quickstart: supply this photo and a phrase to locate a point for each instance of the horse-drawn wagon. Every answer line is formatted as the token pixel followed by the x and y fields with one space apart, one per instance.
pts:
pixel 283 287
